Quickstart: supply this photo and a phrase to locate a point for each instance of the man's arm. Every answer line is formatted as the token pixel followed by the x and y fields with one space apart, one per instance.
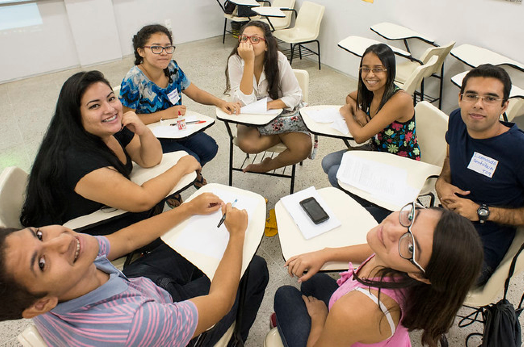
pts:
pixel 212 307
pixel 144 232
pixel 447 194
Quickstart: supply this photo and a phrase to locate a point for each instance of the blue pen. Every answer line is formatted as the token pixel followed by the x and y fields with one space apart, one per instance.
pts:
pixel 224 215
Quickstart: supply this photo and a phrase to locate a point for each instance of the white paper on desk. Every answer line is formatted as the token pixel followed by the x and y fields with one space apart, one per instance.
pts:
pixel 304 223
pixel 325 115
pixel 340 125
pixel 201 234
pixel 171 131
pixel 385 182
pixel 258 107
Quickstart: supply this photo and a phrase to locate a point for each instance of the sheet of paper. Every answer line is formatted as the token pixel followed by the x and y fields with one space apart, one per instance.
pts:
pixel 340 125
pixel 304 223
pixel 171 132
pixel 325 115
pixel 258 107
pixel 201 234
pixel 386 182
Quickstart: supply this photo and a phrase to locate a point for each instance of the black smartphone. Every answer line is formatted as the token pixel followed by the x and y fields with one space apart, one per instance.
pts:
pixel 314 210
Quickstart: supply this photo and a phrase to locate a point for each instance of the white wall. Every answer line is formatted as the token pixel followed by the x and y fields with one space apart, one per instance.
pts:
pixel 493 24
pixel 86 32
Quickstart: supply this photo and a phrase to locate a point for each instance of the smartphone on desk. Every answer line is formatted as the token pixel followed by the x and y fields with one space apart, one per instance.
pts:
pixel 314 210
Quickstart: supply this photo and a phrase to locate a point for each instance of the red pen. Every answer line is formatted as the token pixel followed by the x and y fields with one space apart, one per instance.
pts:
pixel 191 122
pixel 179 114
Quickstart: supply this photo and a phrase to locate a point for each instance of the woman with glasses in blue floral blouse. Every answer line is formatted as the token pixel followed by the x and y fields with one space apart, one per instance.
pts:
pixel 153 89
pixel 416 269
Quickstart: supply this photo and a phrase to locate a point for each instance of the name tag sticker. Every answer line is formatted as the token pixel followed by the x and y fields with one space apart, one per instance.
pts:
pixel 173 96
pixel 483 164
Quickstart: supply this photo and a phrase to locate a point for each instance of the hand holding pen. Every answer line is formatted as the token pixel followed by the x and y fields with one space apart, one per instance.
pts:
pixel 236 220
pixel 224 215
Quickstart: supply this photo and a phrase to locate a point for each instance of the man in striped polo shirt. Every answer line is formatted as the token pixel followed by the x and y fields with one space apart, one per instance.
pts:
pixel 64 280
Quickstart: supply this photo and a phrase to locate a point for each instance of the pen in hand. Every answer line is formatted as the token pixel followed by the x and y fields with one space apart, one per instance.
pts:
pixel 224 215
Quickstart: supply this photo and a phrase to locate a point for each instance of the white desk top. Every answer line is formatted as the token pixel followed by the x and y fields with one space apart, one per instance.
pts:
pixel 269 11
pixel 515 92
pixel 358 45
pixel 191 128
pixel 139 175
pixel 254 232
pixel 417 171
pixel 475 56
pixel 356 222
pixel 323 129
pixel 392 31
pixel 249 119
pixel 246 2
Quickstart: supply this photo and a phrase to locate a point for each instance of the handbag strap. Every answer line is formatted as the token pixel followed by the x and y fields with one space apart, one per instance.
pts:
pixel 511 270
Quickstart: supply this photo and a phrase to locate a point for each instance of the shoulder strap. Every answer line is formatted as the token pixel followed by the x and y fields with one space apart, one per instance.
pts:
pixel 511 270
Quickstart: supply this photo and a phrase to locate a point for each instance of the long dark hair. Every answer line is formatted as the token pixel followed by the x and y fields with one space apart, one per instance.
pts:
pixel 45 196
pixel 387 57
pixel 270 59
pixel 141 38
pixel 453 269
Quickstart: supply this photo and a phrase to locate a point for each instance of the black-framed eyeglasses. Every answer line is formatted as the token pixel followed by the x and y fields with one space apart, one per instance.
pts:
pixel 375 70
pixel 406 244
pixel 487 99
pixel 254 39
pixel 160 49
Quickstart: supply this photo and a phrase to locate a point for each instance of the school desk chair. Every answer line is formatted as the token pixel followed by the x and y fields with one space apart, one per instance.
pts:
pixel 303 81
pixel 232 16
pixel 406 68
pixel 13 182
pixel 287 6
pixel 306 30
pixel 416 79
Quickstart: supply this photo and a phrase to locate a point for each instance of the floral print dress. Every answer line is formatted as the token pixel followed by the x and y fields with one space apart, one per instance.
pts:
pixel 399 138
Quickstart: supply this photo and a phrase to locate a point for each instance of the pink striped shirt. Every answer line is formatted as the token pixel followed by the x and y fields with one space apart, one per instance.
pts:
pixel 121 312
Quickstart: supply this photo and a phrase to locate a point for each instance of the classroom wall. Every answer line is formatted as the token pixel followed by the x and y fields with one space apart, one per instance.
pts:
pixel 493 24
pixel 86 32
pixel 75 33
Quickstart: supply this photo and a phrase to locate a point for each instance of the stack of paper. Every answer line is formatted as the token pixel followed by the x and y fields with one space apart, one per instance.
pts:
pixel 386 182
pixel 304 223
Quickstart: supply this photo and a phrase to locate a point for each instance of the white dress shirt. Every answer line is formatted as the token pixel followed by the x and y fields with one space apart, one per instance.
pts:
pixel 290 92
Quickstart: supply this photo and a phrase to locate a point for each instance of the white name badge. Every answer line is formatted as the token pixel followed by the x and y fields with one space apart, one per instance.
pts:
pixel 483 164
pixel 173 96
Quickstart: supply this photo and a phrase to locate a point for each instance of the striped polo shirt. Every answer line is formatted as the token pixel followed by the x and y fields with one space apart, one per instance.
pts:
pixel 122 312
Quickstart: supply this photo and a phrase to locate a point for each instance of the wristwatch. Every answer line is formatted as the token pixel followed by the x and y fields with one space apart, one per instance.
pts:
pixel 483 213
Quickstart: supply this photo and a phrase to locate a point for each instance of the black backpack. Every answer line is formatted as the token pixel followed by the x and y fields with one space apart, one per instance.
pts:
pixel 501 320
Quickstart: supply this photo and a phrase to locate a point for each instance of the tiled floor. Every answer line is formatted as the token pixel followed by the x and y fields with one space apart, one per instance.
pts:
pixel 26 107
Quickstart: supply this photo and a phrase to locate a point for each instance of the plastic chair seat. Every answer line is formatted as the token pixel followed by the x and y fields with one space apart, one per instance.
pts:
pixel 488 293
pixel 273 339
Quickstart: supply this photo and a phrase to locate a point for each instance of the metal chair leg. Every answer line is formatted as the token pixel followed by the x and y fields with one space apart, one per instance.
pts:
pixel 224 34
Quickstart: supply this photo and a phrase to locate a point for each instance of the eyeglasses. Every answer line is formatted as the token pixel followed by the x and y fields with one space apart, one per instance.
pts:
pixel 406 244
pixel 375 70
pixel 160 49
pixel 254 39
pixel 487 99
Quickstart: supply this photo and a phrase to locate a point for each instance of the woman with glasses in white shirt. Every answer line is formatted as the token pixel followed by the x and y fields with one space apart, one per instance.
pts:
pixel 377 110
pixel 257 69
pixel 416 270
